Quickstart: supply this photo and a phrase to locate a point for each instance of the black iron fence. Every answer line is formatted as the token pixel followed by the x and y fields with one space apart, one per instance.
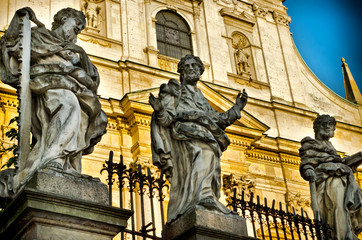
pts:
pixel 274 222
pixel 144 194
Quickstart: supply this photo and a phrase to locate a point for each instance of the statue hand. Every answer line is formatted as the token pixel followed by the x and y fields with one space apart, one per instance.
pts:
pixel 74 48
pixel 155 102
pixel 310 175
pixel 32 17
pixel 241 100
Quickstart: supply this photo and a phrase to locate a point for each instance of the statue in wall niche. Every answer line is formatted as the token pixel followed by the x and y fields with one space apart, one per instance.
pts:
pixel 188 139
pixel 65 117
pixel 241 57
pixel 240 44
pixel 335 194
pixel 92 13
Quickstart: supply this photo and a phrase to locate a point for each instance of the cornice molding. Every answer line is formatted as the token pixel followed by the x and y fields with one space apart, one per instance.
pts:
pixel 238 15
pixel 262 155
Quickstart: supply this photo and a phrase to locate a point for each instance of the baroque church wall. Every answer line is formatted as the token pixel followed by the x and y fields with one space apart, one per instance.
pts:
pixel 284 95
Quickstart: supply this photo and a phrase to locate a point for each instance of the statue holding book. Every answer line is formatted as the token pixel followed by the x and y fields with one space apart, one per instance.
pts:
pixel 335 194
pixel 57 87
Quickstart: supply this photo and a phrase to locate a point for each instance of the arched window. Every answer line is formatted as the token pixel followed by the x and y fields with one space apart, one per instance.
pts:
pixel 173 35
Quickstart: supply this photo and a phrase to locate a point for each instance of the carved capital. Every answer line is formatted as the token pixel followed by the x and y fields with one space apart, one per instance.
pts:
pixel 197 12
pixel 259 12
pixel 241 184
pixel 281 19
pixel 297 201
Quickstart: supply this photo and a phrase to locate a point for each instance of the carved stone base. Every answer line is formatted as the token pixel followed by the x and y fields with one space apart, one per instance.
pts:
pixel 201 224
pixel 80 187
pixel 67 210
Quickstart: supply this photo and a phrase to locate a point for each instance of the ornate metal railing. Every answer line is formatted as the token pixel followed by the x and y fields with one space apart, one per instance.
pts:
pixel 144 194
pixel 273 223
pixel 138 191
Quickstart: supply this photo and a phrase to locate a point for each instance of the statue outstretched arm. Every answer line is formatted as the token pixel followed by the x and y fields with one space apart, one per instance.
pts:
pixel 164 108
pixel 241 100
pixel 229 117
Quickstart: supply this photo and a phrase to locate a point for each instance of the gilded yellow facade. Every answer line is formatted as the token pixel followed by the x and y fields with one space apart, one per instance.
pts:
pixel 285 96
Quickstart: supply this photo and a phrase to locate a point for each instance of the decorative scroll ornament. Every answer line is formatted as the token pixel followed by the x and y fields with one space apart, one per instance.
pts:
pixel 93 40
pixel 240 44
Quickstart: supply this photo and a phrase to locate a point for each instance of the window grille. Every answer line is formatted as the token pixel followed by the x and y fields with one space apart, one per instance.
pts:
pixel 173 35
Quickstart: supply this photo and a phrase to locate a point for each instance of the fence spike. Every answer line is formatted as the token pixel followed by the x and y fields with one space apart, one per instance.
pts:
pixel 265 202
pixel 251 197
pixel 242 196
pixel 280 206
pixel 306 214
pixel 273 204
pixel 286 205
pixel 293 211
pixel 139 169
pixel 110 156
pixel 148 172
pixel 258 200
pixel 121 159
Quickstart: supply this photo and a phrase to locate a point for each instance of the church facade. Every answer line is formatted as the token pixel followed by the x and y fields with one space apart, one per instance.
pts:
pixel 244 44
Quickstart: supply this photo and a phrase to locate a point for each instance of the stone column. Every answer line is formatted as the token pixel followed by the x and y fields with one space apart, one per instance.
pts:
pixel 60 206
pixel 197 28
pixel 151 44
pixel 201 224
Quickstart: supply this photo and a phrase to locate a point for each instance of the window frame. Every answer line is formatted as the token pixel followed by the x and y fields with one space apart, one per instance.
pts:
pixel 161 37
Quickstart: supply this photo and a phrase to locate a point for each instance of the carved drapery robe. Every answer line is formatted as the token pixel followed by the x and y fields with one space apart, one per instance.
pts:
pixel 188 136
pixel 338 195
pixel 67 120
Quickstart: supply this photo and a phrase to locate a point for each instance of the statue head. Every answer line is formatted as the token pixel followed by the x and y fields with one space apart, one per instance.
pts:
pixel 190 68
pixel 69 22
pixel 324 126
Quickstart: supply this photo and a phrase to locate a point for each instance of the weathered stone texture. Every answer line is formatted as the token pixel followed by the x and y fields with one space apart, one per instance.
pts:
pixel 201 224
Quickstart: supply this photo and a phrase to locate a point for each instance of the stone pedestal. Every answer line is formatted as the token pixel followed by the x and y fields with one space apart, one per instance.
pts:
pixel 201 224
pixel 57 206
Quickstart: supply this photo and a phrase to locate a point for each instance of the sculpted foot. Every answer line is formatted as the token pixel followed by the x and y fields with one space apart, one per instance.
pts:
pixel 55 166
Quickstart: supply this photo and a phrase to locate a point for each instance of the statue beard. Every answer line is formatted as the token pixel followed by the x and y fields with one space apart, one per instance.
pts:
pixel 71 38
pixel 191 79
pixel 325 134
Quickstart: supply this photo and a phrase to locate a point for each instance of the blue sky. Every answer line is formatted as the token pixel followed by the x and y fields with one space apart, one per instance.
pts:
pixel 324 31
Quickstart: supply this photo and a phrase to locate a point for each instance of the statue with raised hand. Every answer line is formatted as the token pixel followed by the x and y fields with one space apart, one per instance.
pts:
pixel 336 196
pixel 188 139
pixel 66 117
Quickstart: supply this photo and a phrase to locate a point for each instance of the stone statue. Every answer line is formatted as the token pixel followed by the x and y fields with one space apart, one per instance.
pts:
pixel 336 196
pixel 242 64
pixel 188 139
pixel 66 117
pixel 92 13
